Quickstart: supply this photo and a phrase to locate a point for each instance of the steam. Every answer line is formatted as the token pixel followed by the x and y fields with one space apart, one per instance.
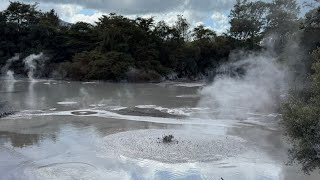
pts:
pixel 253 84
pixel 30 64
pixel 10 75
pixel 5 70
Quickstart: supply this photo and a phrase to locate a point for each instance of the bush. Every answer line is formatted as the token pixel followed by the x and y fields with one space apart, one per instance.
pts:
pixel 94 65
pixel 137 75
pixel 301 122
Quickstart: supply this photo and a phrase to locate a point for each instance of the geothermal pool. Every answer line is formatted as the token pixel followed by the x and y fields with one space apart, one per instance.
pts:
pixel 99 130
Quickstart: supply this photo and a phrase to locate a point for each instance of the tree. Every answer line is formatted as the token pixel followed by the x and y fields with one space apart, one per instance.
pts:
pixel 248 20
pixel 302 123
pixel 163 31
pixel 115 32
pixel 311 28
pixel 282 18
pixel 22 14
pixel 94 65
pixel 50 19
pixel 203 34
pixel 181 28
pixel 146 24
pixel 301 111
pixel 152 49
pixel 282 23
pixel 80 37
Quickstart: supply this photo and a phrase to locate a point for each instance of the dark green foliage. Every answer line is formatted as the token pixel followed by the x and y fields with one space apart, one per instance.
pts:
pixel 282 22
pixel 115 48
pixel 200 33
pixel 94 65
pixel 301 121
pixel 283 17
pixel 248 20
pixel 118 48
pixel 301 111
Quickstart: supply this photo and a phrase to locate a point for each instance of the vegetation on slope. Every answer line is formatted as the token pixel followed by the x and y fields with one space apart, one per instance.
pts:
pixel 118 48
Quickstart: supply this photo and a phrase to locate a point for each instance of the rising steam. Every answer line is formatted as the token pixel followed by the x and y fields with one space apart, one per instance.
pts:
pixel 5 69
pixel 10 75
pixel 30 64
pixel 252 84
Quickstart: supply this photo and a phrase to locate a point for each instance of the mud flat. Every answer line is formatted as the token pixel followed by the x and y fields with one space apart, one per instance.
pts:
pixel 185 147
pixel 135 111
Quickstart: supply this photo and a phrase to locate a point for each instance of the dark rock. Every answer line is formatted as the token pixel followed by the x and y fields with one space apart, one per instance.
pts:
pixel 167 139
pixel 134 111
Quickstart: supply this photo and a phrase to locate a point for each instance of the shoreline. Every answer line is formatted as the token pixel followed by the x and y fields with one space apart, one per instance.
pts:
pixel 181 80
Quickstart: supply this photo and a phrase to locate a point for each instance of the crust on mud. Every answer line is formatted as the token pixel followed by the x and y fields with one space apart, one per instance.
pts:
pixel 186 146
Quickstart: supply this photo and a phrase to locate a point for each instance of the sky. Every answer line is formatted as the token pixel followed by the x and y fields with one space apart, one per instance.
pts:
pixel 210 13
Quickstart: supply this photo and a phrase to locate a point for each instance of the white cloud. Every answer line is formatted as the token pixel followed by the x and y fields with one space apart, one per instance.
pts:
pixel 193 10
pixel 71 13
pixel 220 22
pixel 85 18
pixel 68 10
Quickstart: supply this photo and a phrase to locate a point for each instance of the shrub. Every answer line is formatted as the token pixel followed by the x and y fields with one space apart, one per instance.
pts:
pixel 301 122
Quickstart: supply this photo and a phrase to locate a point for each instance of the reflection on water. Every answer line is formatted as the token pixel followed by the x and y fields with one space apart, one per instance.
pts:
pixel 20 140
pixel 63 130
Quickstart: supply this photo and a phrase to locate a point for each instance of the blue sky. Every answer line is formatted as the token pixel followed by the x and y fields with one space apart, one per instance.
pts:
pixel 88 12
pixel 211 13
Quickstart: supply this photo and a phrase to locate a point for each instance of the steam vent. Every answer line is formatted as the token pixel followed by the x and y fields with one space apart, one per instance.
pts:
pixel 185 146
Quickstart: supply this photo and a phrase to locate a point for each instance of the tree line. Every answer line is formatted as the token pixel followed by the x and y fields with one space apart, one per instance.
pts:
pixel 114 48
pixel 118 48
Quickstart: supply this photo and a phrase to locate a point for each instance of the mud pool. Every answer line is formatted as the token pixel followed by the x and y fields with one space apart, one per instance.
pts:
pixel 98 130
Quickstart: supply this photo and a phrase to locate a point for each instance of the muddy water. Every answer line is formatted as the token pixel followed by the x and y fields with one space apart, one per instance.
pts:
pixel 95 130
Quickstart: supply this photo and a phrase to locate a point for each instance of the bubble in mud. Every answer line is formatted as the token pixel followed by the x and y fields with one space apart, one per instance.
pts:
pixel 185 147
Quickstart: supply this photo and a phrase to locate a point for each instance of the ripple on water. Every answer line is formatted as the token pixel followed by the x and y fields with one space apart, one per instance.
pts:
pixel 67 170
pixel 186 147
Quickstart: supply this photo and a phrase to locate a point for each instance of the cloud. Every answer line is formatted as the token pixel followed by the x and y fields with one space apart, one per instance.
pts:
pixel 194 11
pixel 128 7
pixel 86 18
pixel 213 14
pixel 125 7
pixel 220 22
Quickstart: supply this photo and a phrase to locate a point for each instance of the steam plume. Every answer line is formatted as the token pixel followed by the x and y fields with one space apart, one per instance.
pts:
pixel 30 64
pixel 5 69
pixel 250 85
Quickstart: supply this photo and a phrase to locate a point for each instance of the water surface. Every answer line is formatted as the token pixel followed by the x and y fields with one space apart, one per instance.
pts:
pixel 97 130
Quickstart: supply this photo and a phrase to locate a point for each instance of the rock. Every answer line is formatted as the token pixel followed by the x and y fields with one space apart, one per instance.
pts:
pixel 167 139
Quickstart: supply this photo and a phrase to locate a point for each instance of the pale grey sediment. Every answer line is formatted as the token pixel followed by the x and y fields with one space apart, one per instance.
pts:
pixel 186 146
